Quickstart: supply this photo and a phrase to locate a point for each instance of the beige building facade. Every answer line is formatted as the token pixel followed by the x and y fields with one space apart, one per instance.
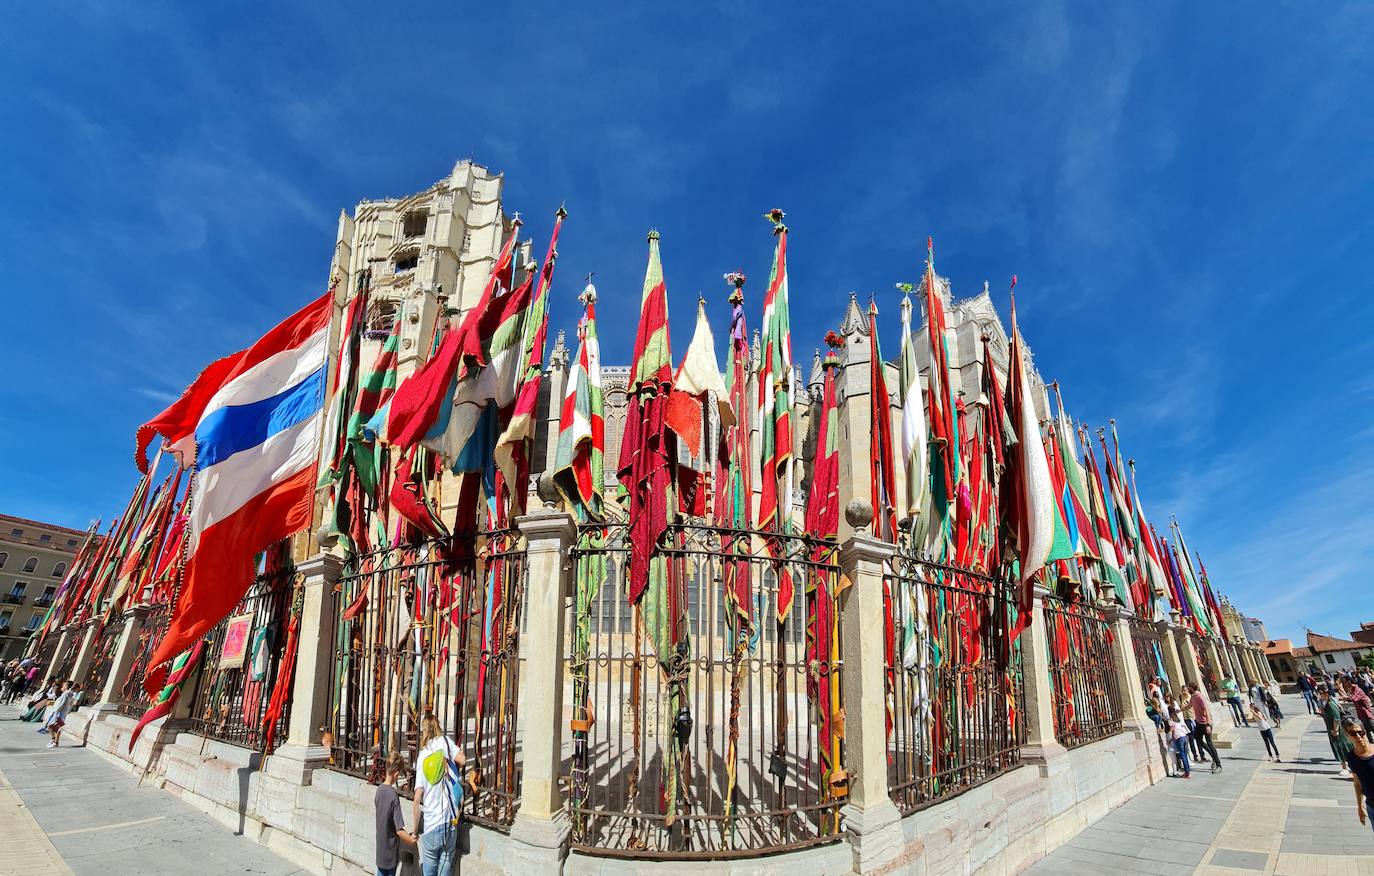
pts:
pixel 34 557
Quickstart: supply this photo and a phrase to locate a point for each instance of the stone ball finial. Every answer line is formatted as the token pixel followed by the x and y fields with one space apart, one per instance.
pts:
pixel 544 486
pixel 859 513
pixel 327 536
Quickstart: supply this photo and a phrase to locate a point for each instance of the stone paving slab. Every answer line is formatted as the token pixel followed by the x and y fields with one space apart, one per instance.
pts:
pixel 1292 818
pixel 98 821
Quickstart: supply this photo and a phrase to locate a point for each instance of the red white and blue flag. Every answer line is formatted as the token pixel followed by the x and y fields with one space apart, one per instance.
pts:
pixel 250 428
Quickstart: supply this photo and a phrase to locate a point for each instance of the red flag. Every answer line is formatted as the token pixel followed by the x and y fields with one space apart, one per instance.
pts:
pixel 648 451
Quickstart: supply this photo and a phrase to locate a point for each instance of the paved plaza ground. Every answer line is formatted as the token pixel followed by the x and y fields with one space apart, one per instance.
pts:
pixel 1294 818
pixel 68 810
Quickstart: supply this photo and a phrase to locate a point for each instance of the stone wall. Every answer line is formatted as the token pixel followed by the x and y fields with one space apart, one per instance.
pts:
pixel 326 827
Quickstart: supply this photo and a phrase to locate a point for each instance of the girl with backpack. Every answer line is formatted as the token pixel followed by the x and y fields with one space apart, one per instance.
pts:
pixel 439 792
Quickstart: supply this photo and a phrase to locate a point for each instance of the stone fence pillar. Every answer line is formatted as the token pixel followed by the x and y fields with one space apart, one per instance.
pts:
pixel 302 752
pixel 1245 669
pixel 870 814
pixel 1041 746
pixel 541 825
pixel 85 652
pixel 1209 653
pixel 1187 656
pixel 123 658
pixel 1127 671
pixel 1265 666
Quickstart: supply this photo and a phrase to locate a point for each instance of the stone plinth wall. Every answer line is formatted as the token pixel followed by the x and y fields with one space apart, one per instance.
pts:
pixel 1000 827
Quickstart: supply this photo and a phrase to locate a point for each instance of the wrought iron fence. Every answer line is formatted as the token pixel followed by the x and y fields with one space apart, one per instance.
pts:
pixel 1205 672
pixel 243 656
pixel 953 677
pixel 92 685
pixel 1087 699
pixel 66 657
pixel 432 627
pixel 47 650
pixel 133 702
pixel 703 726
pixel 1149 661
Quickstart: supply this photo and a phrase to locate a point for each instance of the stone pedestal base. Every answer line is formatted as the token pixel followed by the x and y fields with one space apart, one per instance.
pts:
pixel 540 843
pixel 1045 754
pixel 875 835
pixel 296 763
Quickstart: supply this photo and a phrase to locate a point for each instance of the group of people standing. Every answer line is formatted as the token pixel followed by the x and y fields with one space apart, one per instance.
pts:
pixel 1344 704
pixel 1186 720
pixel 17 678
pixel 50 708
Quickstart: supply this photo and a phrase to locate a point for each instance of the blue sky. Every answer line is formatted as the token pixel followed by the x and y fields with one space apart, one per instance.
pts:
pixel 1183 191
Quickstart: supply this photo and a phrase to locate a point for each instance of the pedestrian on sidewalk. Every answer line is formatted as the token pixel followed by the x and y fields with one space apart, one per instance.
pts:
pixel 1181 706
pixel 1273 706
pixel 1308 691
pixel 57 713
pixel 1332 717
pixel 439 791
pixel 1360 760
pixel 1178 739
pixel 1359 700
pixel 1232 694
pixel 1266 732
pixel 391 830
pixel 1202 718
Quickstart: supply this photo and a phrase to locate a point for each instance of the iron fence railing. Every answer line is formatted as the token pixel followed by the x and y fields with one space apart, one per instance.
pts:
pixel 1087 697
pixel 432 627
pixel 242 658
pixel 66 658
pixel 133 701
pixel 703 725
pixel 1210 682
pixel 1149 661
pixel 953 677
pixel 98 668
pixel 47 650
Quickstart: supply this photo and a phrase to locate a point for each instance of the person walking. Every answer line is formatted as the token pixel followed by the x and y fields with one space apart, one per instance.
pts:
pixel 439 788
pixel 1272 704
pixel 1266 732
pixel 1360 762
pixel 1232 694
pixel 1308 691
pixel 1364 708
pixel 1178 739
pixel 57 713
pixel 1332 717
pixel 1202 718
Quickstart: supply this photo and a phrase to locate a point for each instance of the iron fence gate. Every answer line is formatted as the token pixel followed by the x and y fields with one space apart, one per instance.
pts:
pixel 242 658
pixel 133 701
pixel 1087 698
pixel 432 627
pixel 953 678
pixel 703 726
